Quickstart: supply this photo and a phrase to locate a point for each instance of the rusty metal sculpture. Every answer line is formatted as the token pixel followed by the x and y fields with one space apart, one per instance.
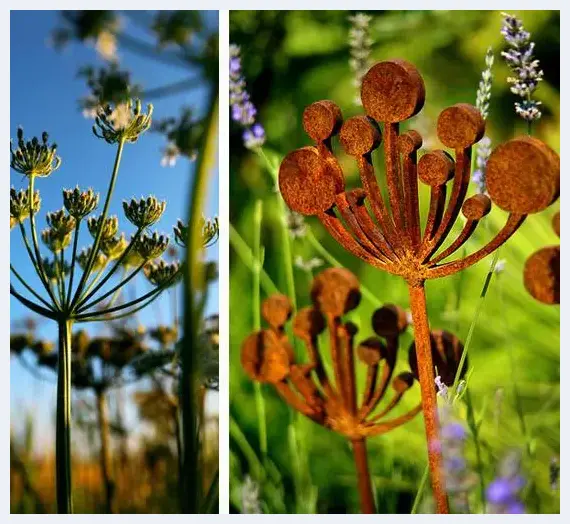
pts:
pixel 267 356
pixel 523 176
pixel 542 271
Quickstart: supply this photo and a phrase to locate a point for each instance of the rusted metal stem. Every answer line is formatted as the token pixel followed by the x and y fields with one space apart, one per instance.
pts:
pixel 363 474
pixel 418 306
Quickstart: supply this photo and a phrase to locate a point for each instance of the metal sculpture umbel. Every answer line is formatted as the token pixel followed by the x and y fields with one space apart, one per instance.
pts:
pixel 523 176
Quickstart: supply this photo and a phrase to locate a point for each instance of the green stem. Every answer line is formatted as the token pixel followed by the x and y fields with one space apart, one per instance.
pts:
pixel 421 489
pixel 31 290
pixel 95 248
pixel 194 285
pixel 32 305
pixel 63 420
pixel 72 269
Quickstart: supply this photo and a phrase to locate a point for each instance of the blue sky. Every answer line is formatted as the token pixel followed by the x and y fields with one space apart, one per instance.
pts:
pixel 44 93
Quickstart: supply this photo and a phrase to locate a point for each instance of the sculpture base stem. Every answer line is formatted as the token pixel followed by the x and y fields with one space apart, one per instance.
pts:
pixel 363 474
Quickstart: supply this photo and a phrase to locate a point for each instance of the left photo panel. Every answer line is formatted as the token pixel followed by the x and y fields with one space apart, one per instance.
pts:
pixel 114 262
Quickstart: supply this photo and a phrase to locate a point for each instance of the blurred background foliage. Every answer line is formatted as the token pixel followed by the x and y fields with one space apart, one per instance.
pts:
pixel 293 58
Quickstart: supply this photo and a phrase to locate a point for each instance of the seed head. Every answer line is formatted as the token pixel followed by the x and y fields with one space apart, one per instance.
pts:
pixel 113 247
pixel 54 270
pixel 125 122
pixel 151 246
pixel 80 203
pixel 20 204
pixel 32 158
pixel 161 273
pixel 83 257
pixel 144 212
pixel 110 227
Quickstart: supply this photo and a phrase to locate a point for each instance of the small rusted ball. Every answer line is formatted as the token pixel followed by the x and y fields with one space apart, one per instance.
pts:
pixel 542 275
pixel 321 120
pixel 308 323
pixel 335 291
pixel 389 321
pixel 306 182
pixel 360 135
pixel 263 357
pixel 556 223
pixel 460 126
pixel 276 310
pixel 523 175
pixel 403 382
pixel 392 91
pixel 436 168
pixel 409 142
pixel 476 207
pixel 371 351
pixel 446 351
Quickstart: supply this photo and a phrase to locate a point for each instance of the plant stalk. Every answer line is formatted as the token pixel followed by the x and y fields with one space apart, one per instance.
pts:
pixel 418 306
pixel 105 453
pixel 363 474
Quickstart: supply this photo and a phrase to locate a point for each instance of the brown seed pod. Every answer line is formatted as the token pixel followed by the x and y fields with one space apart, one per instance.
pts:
pixel 460 126
pixel 446 351
pixel 322 120
pixel 263 357
pixel 403 382
pixel 392 91
pixel 276 310
pixel 409 142
pixel 556 223
pixel 308 323
pixel 542 275
pixel 436 168
pixel 306 182
pixel 389 321
pixel 360 135
pixel 523 176
pixel 371 351
pixel 335 291
pixel 476 207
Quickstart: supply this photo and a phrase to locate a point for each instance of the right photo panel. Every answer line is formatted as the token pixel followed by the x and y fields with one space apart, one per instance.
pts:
pixel 394 262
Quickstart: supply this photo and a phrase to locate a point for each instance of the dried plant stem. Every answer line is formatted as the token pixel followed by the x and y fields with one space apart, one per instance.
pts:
pixel 63 420
pixel 105 453
pixel 363 474
pixel 418 306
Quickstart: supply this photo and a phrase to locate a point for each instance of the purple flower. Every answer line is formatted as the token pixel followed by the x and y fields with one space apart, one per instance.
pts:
pixel 483 153
pixel 503 492
pixel 254 136
pixel 500 491
pixel 453 431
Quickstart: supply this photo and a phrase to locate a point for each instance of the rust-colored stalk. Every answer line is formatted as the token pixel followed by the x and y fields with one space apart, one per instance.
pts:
pixel 364 482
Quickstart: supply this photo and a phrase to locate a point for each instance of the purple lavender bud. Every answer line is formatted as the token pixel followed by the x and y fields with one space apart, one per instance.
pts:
pixel 453 431
pixel 500 492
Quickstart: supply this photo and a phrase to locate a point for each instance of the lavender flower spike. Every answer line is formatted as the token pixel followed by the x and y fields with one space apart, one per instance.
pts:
pixel 484 91
pixel 242 109
pixel 483 153
pixel 519 57
pixel 503 492
pixel 360 43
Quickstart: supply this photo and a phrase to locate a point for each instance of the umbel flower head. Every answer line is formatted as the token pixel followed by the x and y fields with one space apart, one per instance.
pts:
pixel 20 204
pixel 126 122
pixel 114 247
pixel 83 258
pixel 60 222
pixel 161 273
pixel 32 158
pixel 54 270
pixel 110 227
pixel 210 232
pixel 151 246
pixel 132 259
pixel 54 241
pixel 144 212
pixel 80 203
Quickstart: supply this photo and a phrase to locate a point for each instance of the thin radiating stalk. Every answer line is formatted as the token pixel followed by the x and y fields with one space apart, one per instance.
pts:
pixel 72 267
pixel 194 284
pixel 63 420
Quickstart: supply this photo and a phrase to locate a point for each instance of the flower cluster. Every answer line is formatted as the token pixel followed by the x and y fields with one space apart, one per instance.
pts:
pixel 109 229
pixel 503 492
pixel 114 247
pixel 123 123
pixel 150 246
pixel 250 496
pixel 296 224
pixel 360 45
pixel 20 204
pixel 58 235
pixel 83 258
pixel 520 59
pixel 210 232
pixel 144 212
pixel 32 158
pixel 308 265
pixel 162 273
pixel 80 203
pixel 54 270
pixel 484 91
pixel 243 110
pixel 483 153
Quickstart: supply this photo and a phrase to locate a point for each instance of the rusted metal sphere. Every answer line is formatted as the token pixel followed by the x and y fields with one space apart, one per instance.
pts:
pixel 336 291
pixel 308 323
pixel 523 176
pixel 392 91
pixel 276 310
pixel 322 120
pixel 371 351
pixel 436 168
pixel 409 142
pixel 306 183
pixel 476 207
pixel 403 382
pixel 542 275
pixel 360 135
pixel 264 358
pixel 389 321
pixel 460 126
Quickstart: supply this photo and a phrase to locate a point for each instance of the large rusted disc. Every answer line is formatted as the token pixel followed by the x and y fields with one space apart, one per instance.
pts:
pixel 322 120
pixel 523 175
pixel 360 135
pixel 306 182
pixel 409 142
pixel 460 126
pixel 308 323
pixel 436 168
pixel 263 357
pixel 335 291
pixel 476 207
pixel 389 321
pixel 371 351
pixel 276 310
pixel 392 91
pixel 542 275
